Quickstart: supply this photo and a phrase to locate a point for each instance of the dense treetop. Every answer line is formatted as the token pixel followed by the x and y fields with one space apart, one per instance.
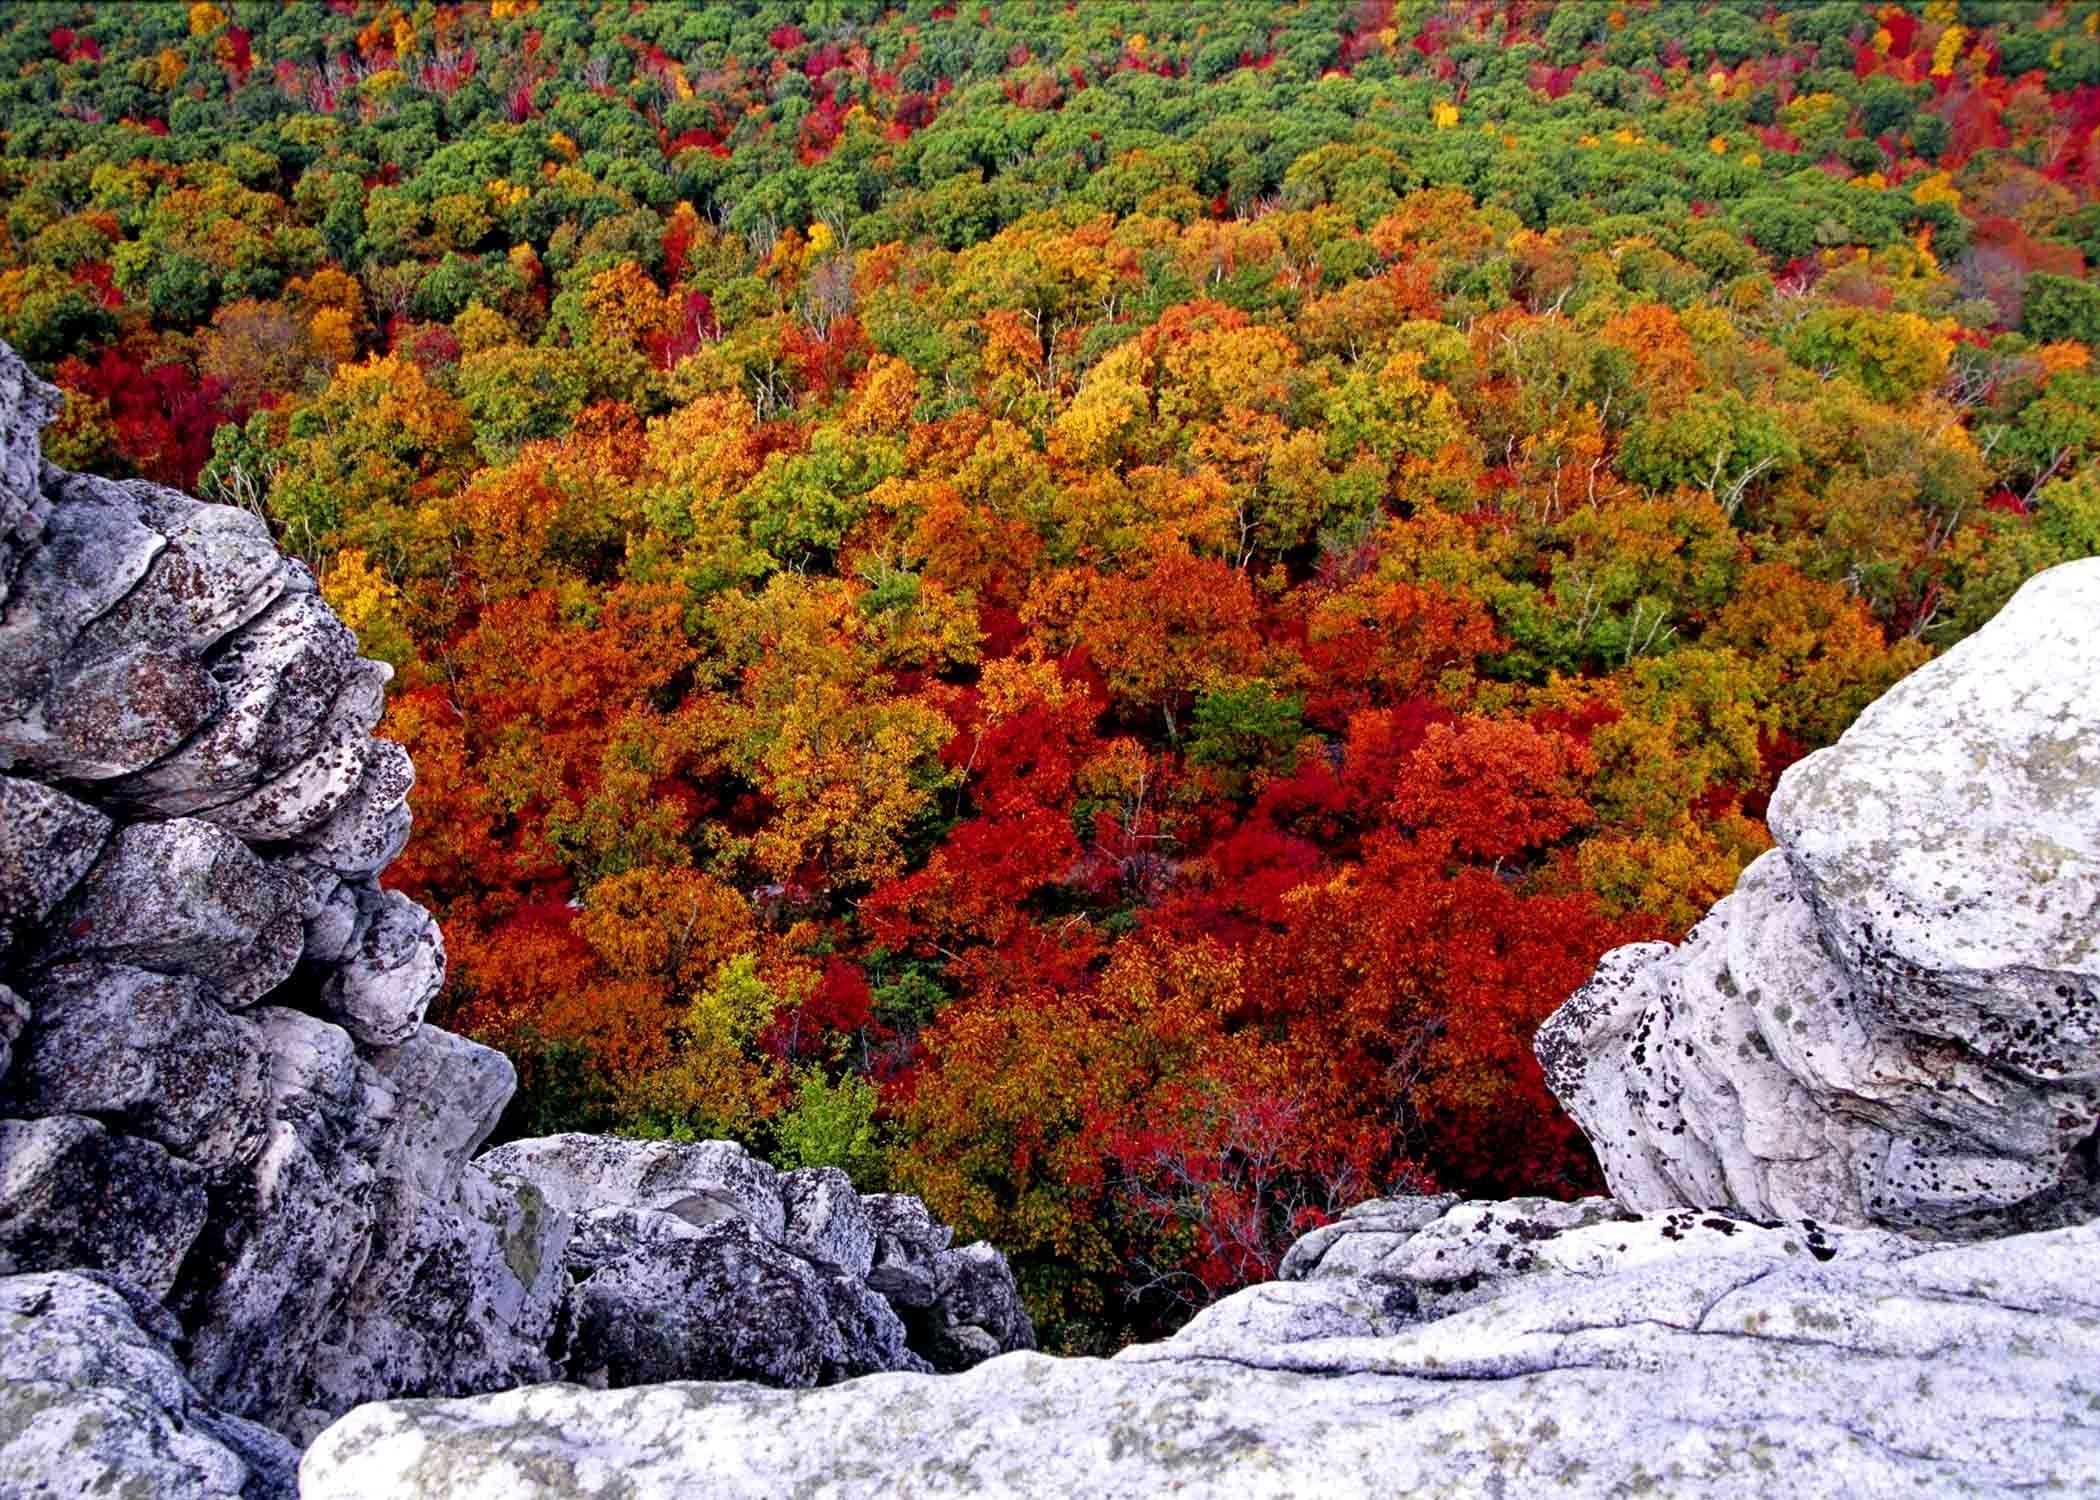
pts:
pixel 1092 609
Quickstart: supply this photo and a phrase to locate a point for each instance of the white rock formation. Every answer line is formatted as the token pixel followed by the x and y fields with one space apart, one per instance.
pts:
pixel 1895 1019
pixel 93 1402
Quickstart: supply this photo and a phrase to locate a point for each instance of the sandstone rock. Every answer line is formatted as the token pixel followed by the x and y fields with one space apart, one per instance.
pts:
pixel 660 1297
pixel 602 1236
pixel 73 1194
pixel 394 963
pixel 720 1303
pixel 447 1095
pixel 1703 1368
pixel 183 897
pixel 93 1402
pixel 976 1311
pixel 26 404
pixel 907 1245
pixel 1374 1229
pixel 872 1337
pixel 280 1246
pixel 364 834
pixel 458 1295
pixel 119 713
pixel 149 1053
pixel 47 842
pixel 216 571
pixel 276 681
pixel 826 1220
pixel 698 1181
pixel 462 1273
pixel 14 1015
pixel 1895 1019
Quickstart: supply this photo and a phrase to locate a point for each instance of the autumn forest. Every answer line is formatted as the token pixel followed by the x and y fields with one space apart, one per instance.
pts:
pixel 1086 610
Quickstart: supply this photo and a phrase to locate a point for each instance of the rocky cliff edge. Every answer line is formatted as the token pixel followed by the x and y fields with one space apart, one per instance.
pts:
pixel 239 1192
pixel 1850 1125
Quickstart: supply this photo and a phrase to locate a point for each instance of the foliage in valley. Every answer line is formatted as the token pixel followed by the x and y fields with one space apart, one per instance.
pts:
pixel 1088 610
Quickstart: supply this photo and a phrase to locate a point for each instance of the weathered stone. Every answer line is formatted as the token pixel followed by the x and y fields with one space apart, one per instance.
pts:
pixel 1694 1371
pixel 293 1230
pixel 463 1272
pixel 364 834
pixel 14 1015
pixel 458 1295
pixel 1895 1019
pixel 148 1053
pixel 218 570
pixel 277 679
pixel 122 712
pixel 724 1303
pixel 873 1339
pixel 448 1094
pixel 700 1181
pixel 331 917
pixel 395 962
pixel 73 1194
pixel 908 1243
pixel 282 1243
pixel 184 897
pixel 26 404
pixel 93 1402
pixel 602 1236
pixel 1382 1224
pixel 976 1311
pixel 826 1220
pixel 47 842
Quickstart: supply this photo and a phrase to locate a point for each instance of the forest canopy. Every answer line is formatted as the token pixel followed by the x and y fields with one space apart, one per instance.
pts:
pixel 1087 610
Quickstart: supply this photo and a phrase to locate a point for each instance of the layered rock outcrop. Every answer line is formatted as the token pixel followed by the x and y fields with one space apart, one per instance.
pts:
pixel 217 1092
pixel 1882 1045
pixel 218 1088
pixel 1895 1019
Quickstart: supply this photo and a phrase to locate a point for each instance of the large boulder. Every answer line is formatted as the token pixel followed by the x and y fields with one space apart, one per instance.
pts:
pixel 74 1194
pixel 1895 1019
pixel 695 1259
pixel 719 1301
pixel 1664 1356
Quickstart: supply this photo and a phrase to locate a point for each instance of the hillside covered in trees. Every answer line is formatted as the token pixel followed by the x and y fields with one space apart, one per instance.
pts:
pixel 1088 610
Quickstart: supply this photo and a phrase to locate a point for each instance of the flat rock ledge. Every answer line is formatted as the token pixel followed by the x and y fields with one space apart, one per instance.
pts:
pixel 1577 1352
